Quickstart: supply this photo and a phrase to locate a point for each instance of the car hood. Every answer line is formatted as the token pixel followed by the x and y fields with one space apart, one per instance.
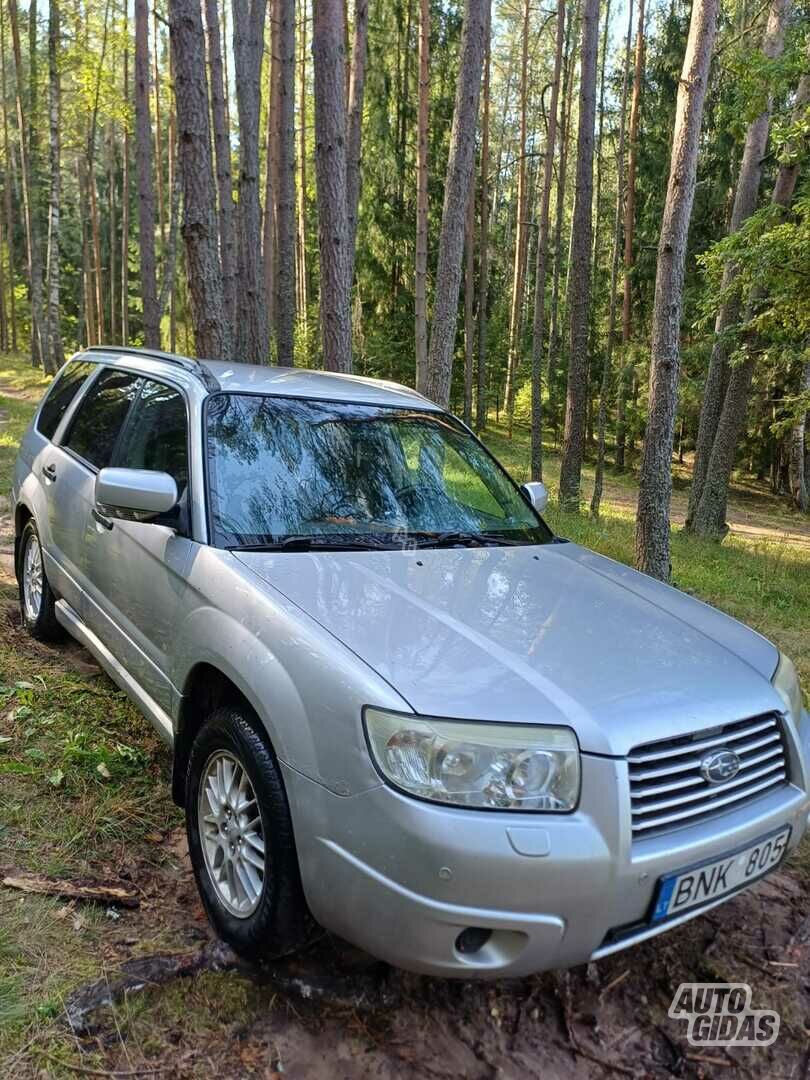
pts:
pixel 552 634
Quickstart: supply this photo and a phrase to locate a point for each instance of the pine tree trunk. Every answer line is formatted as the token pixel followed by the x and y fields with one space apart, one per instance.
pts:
pixel 269 253
pixel 460 166
pixel 604 393
pixel 629 238
pixel 329 61
pixel 112 224
pixel 39 340
pixel 222 151
pixel 199 228
pixel 539 320
pixel 745 202
pixel 709 516
pixel 420 278
pixel 483 253
pixel 125 197
pixel 469 304
pixel 798 453
pixel 580 279
pixel 158 140
pixel 521 228
pixel 303 290
pixel 12 312
pixel 285 195
pixel 357 83
pixel 146 198
pixel 252 329
pixel 57 356
pixel 655 485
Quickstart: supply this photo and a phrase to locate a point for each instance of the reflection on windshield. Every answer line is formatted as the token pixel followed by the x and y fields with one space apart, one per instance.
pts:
pixel 281 467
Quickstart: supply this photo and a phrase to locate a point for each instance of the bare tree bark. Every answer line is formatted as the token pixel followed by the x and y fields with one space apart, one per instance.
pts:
pixel 580 280
pixel 329 60
pixel 469 304
pixel 604 393
pixel 539 320
pixel 285 195
pixel 39 339
pixel 146 198
pixel 7 185
pixel 357 83
pixel 629 238
pixel 194 162
pixel 269 253
pixel 252 329
pixel 655 486
pixel 521 228
pixel 459 176
pixel 746 196
pixel 222 152
pixel 158 137
pixel 57 354
pixel 483 253
pixel 709 517
pixel 420 278
pixel 798 453
pixel 125 195
pixel 303 290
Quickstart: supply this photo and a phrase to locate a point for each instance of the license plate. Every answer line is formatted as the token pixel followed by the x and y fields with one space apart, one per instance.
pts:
pixel 709 881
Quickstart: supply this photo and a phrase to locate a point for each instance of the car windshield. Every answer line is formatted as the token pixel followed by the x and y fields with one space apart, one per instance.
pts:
pixel 344 474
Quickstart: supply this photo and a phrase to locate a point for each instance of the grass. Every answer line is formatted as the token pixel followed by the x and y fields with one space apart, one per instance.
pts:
pixel 84 781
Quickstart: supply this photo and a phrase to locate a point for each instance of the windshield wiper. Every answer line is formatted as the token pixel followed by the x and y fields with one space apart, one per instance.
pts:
pixel 320 543
pixel 453 538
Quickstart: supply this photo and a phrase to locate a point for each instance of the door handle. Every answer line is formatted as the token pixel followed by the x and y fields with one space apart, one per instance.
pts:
pixel 49 471
pixel 102 520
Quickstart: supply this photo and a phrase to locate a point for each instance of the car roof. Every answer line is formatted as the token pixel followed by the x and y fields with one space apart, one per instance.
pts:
pixel 259 379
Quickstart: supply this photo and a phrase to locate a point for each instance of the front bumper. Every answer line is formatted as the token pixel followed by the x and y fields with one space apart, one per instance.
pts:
pixel 402 878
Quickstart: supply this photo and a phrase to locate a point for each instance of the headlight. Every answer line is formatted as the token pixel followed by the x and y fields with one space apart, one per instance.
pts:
pixel 471 764
pixel 786 684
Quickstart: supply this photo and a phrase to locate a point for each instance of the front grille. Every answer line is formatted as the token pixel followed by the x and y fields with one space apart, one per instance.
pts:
pixel 667 789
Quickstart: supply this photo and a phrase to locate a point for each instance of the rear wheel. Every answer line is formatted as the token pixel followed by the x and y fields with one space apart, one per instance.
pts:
pixel 241 840
pixel 37 601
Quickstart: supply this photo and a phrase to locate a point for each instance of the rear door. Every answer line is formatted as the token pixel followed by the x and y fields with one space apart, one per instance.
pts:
pixel 137 568
pixel 68 470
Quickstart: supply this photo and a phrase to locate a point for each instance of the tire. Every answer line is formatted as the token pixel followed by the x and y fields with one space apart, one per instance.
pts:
pixel 37 601
pixel 275 921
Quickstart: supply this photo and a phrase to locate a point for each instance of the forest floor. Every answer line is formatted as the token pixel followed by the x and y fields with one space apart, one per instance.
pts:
pixel 84 794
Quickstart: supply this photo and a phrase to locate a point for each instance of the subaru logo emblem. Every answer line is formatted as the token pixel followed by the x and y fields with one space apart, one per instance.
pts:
pixel 720 766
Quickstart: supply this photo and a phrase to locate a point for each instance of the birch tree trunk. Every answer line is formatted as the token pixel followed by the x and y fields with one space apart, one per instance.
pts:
pixel 457 185
pixel 746 196
pixel 798 453
pixel 252 329
pixel 199 227
pixel 420 275
pixel 483 252
pixel 655 485
pixel 629 235
pixel 222 153
pixel 579 292
pixel 285 194
pixel 329 61
pixel 521 228
pixel 146 198
pixel 599 475
pixel 39 338
pixel 357 83
pixel 57 356
pixel 539 320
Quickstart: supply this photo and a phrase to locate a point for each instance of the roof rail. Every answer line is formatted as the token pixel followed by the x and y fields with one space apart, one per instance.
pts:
pixel 195 367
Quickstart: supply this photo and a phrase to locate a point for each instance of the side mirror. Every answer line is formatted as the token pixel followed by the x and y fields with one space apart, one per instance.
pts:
pixel 140 491
pixel 537 494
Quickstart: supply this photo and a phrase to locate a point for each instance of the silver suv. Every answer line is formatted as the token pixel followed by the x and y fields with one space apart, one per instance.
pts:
pixel 400 707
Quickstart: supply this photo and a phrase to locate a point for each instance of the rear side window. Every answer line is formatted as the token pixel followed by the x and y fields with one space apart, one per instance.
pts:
pixel 100 417
pixel 63 390
pixel 156 435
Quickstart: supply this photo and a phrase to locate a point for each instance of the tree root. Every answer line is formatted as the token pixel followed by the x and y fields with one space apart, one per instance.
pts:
pixel 143 973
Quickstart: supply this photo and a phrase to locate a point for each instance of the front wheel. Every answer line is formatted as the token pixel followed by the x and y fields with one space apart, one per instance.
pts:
pixel 37 602
pixel 240 839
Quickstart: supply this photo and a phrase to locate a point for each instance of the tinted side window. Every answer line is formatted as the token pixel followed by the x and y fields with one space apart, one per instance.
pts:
pixel 101 416
pixel 60 395
pixel 156 435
